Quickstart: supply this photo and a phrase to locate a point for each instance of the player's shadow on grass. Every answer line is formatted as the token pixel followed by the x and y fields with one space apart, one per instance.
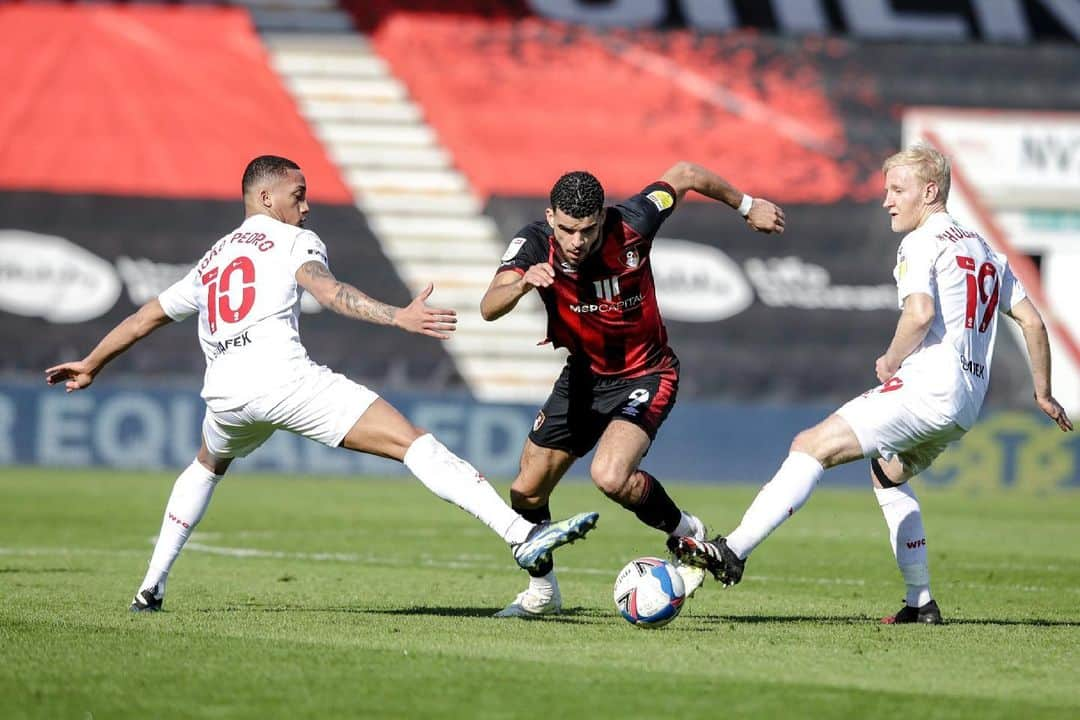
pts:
pixel 576 615
pixel 1031 622
pixel 864 620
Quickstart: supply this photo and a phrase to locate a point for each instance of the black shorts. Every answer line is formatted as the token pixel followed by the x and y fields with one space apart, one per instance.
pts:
pixel 581 405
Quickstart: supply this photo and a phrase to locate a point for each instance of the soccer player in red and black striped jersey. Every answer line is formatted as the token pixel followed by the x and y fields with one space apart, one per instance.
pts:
pixel 590 264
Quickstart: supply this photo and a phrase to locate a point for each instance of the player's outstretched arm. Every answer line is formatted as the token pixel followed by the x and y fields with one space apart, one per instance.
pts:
pixel 509 286
pixel 911 329
pixel 79 374
pixel 761 215
pixel 1038 346
pixel 344 299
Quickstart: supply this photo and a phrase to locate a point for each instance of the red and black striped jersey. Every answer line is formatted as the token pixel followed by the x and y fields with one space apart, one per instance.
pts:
pixel 604 311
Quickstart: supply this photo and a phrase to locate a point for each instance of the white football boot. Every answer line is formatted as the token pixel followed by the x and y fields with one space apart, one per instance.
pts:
pixel 692 577
pixel 534 601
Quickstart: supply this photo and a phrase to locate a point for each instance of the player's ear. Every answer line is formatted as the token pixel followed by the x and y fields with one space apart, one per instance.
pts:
pixel 931 193
pixel 266 198
pixel 550 215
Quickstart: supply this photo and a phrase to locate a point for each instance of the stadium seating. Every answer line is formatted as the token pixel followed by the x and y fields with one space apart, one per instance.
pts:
pixel 441 125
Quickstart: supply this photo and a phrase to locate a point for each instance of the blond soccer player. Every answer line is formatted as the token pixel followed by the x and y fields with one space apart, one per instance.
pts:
pixel 934 375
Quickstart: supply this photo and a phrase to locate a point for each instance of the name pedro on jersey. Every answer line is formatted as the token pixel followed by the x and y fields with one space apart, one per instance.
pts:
pixel 257 239
pixel 624 304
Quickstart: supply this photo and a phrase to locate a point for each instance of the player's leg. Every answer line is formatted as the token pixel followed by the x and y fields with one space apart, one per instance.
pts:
pixel 332 409
pixel 225 436
pixel 907 534
pixel 187 504
pixel 616 472
pixel 540 471
pixel 829 443
pixel 382 430
pixel 630 414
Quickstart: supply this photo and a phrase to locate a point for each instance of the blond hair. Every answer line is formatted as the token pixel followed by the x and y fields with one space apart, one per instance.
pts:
pixel 930 166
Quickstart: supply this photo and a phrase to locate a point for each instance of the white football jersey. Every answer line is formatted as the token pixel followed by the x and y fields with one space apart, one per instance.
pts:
pixel 245 291
pixel 970 285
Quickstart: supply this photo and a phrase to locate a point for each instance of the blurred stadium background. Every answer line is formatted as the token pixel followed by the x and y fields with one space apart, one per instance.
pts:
pixel 430 131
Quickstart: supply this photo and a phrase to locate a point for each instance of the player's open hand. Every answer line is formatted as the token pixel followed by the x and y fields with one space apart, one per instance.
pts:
pixel 765 217
pixel 539 275
pixel 1055 412
pixel 74 375
pixel 417 317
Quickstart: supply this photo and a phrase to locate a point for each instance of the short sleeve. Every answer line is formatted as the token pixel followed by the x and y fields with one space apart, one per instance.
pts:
pixel 1012 290
pixel 915 266
pixel 529 247
pixel 307 247
pixel 179 300
pixel 647 211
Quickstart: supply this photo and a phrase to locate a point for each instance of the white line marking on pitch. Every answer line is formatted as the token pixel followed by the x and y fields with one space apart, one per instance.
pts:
pixel 467 562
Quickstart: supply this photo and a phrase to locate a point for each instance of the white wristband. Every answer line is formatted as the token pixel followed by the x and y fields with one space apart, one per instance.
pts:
pixel 745 205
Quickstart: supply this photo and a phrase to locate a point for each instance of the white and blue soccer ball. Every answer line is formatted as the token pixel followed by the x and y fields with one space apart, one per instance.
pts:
pixel 649 592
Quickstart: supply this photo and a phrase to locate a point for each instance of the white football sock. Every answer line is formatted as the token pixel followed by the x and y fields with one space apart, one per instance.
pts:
pixel 904 518
pixel 777 500
pixel 458 482
pixel 546 585
pixel 690 526
pixel 187 504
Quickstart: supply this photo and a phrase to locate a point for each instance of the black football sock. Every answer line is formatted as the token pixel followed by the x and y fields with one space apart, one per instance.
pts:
pixel 656 508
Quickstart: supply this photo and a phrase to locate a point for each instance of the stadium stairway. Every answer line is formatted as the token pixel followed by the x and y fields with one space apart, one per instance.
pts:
pixel 425 214
pixel 423 211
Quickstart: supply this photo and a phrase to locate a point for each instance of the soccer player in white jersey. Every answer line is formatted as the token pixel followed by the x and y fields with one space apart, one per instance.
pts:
pixel 246 291
pixel 934 376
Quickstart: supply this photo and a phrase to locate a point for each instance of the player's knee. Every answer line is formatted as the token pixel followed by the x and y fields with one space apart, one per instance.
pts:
pixel 888 474
pixel 805 442
pixel 609 479
pixel 817 444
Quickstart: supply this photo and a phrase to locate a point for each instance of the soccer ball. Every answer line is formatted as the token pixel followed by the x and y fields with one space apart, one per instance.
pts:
pixel 649 592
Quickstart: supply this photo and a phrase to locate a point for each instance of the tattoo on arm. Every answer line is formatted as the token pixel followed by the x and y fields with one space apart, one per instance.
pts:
pixel 349 301
pixel 317 271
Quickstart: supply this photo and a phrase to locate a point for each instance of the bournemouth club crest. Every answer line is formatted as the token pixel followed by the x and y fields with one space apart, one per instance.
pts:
pixel 632 258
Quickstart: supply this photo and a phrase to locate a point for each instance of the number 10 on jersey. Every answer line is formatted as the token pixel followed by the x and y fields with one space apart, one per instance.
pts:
pixel 218 303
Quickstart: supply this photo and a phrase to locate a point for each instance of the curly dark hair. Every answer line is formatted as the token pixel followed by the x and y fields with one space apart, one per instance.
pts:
pixel 263 168
pixel 578 194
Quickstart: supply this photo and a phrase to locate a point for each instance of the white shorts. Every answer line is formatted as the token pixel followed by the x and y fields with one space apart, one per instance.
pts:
pixel 892 420
pixel 322 405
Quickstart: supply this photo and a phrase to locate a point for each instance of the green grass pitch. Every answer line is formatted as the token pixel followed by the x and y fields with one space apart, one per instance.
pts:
pixel 331 598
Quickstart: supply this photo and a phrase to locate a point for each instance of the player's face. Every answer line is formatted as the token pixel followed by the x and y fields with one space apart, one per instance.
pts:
pixel 575 238
pixel 288 198
pixel 905 198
